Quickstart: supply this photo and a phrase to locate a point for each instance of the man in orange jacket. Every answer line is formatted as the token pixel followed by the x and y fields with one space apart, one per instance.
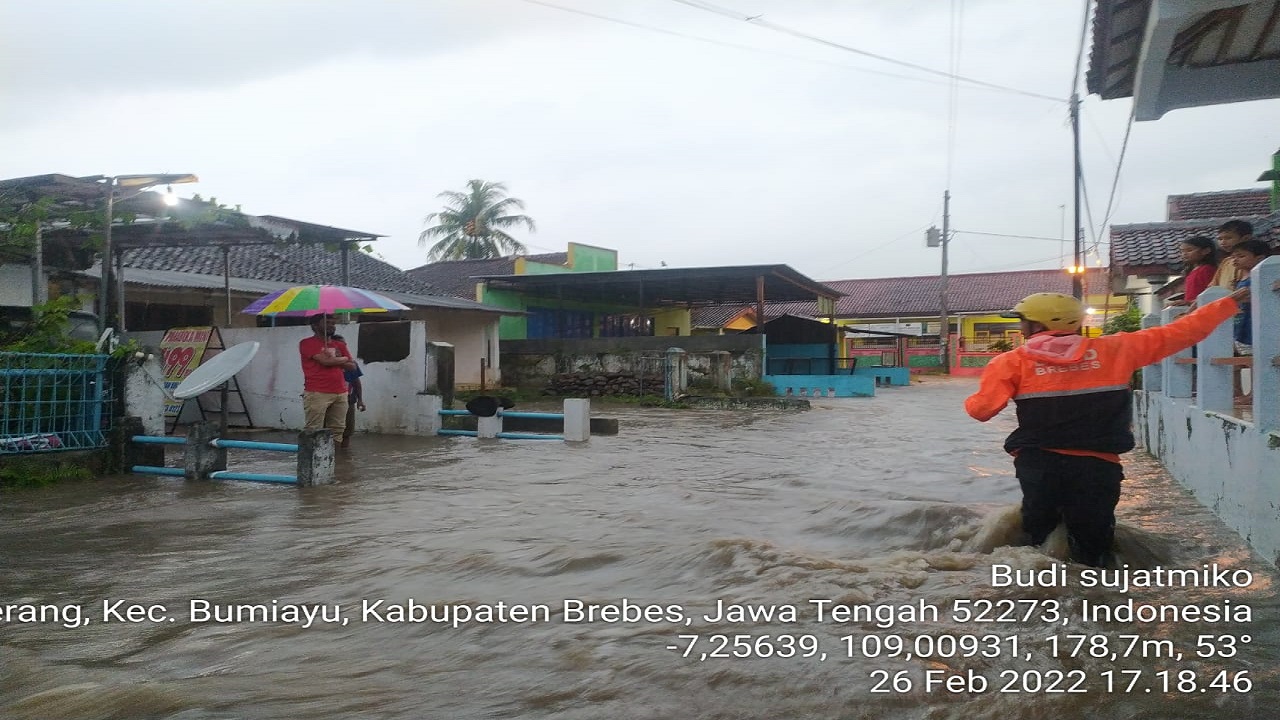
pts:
pixel 1074 412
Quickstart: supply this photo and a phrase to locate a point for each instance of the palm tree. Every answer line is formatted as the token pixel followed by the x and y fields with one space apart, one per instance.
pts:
pixel 473 224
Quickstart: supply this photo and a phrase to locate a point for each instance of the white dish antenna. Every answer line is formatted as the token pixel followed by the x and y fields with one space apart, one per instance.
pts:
pixel 217 370
pixel 103 339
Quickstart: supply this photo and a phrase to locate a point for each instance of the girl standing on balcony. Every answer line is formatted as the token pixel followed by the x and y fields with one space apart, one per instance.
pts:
pixel 1200 256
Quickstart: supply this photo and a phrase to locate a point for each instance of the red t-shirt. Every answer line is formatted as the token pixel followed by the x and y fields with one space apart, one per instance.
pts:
pixel 1197 280
pixel 317 377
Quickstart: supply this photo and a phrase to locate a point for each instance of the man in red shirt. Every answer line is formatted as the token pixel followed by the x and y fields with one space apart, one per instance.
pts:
pixel 324 396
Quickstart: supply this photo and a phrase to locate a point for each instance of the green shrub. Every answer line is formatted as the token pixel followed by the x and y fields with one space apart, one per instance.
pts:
pixel 31 472
pixel 1128 321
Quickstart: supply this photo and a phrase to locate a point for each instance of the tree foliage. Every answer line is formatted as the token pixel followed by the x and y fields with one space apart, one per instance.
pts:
pixel 473 224
pixel 1128 321
pixel 46 330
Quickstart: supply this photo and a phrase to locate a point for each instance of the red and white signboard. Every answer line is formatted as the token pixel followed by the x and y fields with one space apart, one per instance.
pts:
pixel 184 350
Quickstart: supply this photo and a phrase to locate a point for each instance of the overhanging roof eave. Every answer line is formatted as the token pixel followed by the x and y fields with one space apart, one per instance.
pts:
pixel 671 286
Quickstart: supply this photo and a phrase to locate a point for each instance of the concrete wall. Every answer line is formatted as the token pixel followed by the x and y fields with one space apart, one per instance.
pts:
pixel 1228 464
pixel 474 336
pixel 1188 420
pixel 531 363
pixel 15 285
pixel 394 392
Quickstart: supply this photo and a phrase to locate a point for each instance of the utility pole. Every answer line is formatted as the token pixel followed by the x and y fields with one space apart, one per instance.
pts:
pixel 944 324
pixel 1077 267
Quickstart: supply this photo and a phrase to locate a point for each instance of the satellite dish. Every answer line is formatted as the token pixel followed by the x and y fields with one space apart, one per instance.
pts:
pixel 102 340
pixel 219 369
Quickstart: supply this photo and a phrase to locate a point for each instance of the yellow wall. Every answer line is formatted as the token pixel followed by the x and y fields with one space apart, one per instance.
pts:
pixel 665 320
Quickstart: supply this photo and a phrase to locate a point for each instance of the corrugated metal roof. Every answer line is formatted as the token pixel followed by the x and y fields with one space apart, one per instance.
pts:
pixel 459 277
pixel 671 286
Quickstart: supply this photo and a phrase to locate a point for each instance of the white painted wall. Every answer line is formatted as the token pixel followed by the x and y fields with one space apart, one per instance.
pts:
pixel 1230 465
pixel 472 339
pixel 144 394
pixel 272 382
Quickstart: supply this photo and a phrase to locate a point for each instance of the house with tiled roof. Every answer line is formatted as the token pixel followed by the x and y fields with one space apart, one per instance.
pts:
pixel 1221 204
pixel 1145 256
pixel 168 285
pixel 721 319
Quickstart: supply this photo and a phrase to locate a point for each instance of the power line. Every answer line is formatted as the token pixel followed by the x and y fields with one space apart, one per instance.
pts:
pixel 890 241
pixel 1115 181
pixel 756 20
pixel 953 93
pixel 722 43
pixel 1084 35
pixel 1021 265
pixel 1022 237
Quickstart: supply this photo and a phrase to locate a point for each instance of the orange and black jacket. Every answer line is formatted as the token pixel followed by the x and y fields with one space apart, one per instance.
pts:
pixel 1072 392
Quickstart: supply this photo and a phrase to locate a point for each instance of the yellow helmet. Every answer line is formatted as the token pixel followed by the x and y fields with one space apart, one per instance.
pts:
pixel 1055 311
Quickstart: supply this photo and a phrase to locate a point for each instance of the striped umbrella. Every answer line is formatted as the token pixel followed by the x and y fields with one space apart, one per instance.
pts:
pixel 304 300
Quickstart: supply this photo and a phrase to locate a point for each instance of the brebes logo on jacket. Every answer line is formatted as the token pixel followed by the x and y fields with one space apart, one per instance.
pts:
pixel 1088 362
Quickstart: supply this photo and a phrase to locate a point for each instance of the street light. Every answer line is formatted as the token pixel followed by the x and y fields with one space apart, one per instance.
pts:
pixel 130 182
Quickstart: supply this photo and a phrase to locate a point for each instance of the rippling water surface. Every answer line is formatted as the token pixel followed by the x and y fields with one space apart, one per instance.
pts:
pixel 894 503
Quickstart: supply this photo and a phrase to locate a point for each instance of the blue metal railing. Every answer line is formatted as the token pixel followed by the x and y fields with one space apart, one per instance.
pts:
pixel 53 402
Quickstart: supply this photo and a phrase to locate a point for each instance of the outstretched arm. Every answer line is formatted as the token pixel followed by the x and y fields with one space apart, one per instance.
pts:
pixel 998 385
pixel 1155 344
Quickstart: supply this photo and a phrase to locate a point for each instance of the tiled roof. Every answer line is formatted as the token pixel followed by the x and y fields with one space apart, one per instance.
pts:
pixel 188 281
pixel 1226 204
pixel 297 264
pixel 919 296
pixel 1146 247
pixel 1155 245
pixel 458 277
pixel 715 316
pixel 968 293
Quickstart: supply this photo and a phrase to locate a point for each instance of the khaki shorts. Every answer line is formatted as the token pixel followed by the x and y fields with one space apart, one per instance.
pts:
pixel 325 410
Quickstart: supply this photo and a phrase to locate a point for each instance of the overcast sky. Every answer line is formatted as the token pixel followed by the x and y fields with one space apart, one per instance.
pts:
pixel 697 140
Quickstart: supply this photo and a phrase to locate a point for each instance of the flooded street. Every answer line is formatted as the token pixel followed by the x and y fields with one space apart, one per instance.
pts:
pixel 889 504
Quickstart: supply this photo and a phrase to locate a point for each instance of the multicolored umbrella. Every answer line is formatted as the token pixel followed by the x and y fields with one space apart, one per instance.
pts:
pixel 304 300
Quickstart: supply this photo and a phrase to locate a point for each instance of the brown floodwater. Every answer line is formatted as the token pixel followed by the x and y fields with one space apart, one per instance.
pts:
pixel 456 578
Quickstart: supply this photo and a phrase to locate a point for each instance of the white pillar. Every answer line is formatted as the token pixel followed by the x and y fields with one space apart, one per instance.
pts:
pixel 489 427
pixel 1265 315
pixel 1177 377
pixel 577 419
pixel 1213 382
pixel 1151 374
pixel 144 394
